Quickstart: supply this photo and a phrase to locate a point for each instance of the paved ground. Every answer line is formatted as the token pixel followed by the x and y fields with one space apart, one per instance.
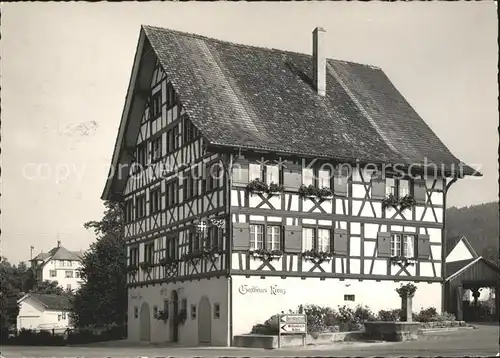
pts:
pixel 483 341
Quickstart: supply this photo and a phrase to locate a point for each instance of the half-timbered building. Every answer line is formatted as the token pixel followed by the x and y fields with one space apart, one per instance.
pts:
pixel 254 180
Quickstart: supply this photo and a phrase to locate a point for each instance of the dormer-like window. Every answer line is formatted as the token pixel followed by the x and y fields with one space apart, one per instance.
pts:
pixel 155 105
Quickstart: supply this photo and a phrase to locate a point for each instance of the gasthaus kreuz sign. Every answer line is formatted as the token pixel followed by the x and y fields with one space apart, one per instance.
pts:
pixel 292 324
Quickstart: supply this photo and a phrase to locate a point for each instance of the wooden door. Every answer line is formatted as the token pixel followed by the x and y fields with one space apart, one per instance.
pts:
pixel 204 321
pixel 145 322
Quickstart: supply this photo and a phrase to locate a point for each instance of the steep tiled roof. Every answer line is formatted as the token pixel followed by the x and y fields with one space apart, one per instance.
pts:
pixel 452 267
pixel 249 97
pixel 59 253
pixel 52 302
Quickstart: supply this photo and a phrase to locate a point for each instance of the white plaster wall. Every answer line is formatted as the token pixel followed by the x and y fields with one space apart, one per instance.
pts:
pixel 61 275
pixel 34 316
pixel 459 252
pixel 216 290
pixel 250 308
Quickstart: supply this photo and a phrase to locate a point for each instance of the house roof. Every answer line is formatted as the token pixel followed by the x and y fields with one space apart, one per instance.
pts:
pixel 454 241
pixel 59 253
pixel 256 98
pixel 51 302
pixel 455 268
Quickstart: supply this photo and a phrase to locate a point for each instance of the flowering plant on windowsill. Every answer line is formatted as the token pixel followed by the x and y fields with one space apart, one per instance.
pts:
pixel 204 252
pixel 146 266
pixel 162 316
pixel 325 193
pixel 407 202
pixel 403 261
pixel 257 186
pixel 308 191
pixel 407 290
pixel 390 201
pixel 167 261
pixel 132 269
pixel 317 255
pixel 275 188
pixel 267 254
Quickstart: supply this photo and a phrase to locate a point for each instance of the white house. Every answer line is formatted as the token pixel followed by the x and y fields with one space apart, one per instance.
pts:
pixel 59 265
pixel 255 180
pixel 42 311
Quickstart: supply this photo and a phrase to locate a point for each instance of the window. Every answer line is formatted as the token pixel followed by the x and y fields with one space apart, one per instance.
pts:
pixel 323 240
pixel 272 174
pixel 307 176
pixel 190 184
pixel 172 247
pixel 134 256
pixel 341 182
pixel 403 245
pixel 171 191
pixel 397 187
pixel 58 317
pixel 148 252
pixel 68 274
pixel 403 188
pixel 68 286
pixel 156 149
pixel 165 308
pixel 155 200
pixel 255 172
pixel 184 304
pixel 77 274
pixel 240 173
pixel 53 273
pixel 129 211
pixel 213 174
pixel 390 187
pixel 173 139
pixel 323 178
pixel 256 237
pixel 349 297
pixel 140 206
pixel 214 237
pixel 316 239
pixel 63 315
pixel 155 106
pixel 136 312
pixel 216 310
pixel 141 157
pixel 171 95
pixel 155 311
pixel 193 311
pixel 273 238
pixel 190 131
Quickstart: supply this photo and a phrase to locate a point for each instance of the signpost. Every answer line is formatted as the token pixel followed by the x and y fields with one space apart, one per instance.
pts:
pixel 295 324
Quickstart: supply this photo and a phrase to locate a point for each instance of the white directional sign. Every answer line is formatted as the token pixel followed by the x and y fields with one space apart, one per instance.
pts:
pixel 293 324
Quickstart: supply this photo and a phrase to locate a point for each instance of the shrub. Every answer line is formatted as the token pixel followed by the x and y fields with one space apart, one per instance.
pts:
pixel 364 313
pixel 270 327
pixel 445 316
pixel 317 317
pixel 390 315
pixel 426 315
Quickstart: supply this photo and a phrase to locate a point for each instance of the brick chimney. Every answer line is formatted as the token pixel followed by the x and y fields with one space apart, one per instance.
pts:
pixel 319 61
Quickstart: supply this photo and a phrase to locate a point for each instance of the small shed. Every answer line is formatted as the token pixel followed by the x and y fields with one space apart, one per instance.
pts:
pixel 471 274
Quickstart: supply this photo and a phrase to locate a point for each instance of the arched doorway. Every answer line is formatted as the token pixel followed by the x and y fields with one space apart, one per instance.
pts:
pixel 145 322
pixel 204 321
pixel 174 324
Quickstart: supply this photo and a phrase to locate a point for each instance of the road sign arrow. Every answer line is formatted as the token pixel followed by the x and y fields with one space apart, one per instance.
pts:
pixel 283 318
pixel 283 327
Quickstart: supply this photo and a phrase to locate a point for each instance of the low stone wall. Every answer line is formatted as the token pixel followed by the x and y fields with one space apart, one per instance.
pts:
pixel 271 342
pixel 443 324
pixel 392 331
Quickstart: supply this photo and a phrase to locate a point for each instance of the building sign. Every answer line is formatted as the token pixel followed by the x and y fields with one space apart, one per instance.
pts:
pixel 293 324
pixel 267 290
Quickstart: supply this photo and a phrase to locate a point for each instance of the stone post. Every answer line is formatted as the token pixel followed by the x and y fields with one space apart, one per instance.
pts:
pixel 406 308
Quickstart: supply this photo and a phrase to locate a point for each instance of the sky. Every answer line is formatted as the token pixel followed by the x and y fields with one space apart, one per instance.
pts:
pixel 66 66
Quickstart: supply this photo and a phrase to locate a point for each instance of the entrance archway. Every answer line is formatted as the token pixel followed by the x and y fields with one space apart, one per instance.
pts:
pixel 145 322
pixel 174 323
pixel 204 321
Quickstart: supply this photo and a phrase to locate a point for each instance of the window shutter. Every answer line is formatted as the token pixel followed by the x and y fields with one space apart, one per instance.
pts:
pixel 419 191
pixel 378 188
pixel 241 236
pixel 340 184
pixel 340 241
pixel 384 244
pixel 240 174
pixel 293 239
pixel 292 177
pixel 424 246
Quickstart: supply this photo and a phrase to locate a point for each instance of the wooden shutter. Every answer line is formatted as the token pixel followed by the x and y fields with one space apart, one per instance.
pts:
pixel 292 177
pixel 340 184
pixel 340 241
pixel 424 246
pixel 241 236
pixel 293 239
pixel 419 191
pixel 240 174
pixel 384 244
pixel 378 188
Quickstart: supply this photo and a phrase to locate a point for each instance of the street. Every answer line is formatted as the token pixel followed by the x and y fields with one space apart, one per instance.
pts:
pixel 483 341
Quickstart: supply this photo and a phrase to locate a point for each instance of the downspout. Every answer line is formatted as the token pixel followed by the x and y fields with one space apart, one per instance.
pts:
pixel 443 246
pixel 229 242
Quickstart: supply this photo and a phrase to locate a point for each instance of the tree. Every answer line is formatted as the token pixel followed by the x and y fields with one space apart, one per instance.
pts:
pixel 102 299
pixel 10 291
pixel 48 287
